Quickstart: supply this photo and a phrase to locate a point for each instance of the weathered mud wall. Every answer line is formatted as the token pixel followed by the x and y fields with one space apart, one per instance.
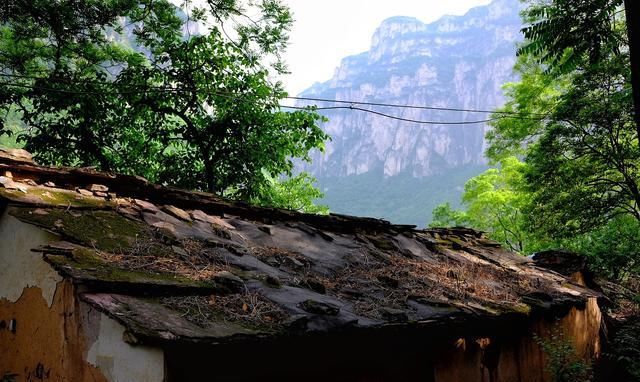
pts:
pixel 503 358
pixel 19 266
pixel 118 360
pixel 46 334
pixel 492 351
pixel 45 342
pixel 39 337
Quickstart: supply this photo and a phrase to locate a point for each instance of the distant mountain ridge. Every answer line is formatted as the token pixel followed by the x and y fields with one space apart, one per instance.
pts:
pixel 456 62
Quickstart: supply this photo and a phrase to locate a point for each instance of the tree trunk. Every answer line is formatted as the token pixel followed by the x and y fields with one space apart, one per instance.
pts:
pixel 632 11
pixel 209 175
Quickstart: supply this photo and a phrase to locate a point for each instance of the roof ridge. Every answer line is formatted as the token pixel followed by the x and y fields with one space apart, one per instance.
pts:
pixel 15 155
pixel 21 166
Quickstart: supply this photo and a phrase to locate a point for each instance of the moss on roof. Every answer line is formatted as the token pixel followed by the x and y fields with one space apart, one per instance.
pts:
pixel 104 230
pixel 44 196
pixel 88 265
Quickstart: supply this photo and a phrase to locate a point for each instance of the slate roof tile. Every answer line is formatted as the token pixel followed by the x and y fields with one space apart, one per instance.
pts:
pixel 177 265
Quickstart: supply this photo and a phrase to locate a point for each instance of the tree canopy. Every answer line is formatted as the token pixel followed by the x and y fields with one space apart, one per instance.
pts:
pixel 565 34
pixel 573 144
pixel 494 203
pixel 183 96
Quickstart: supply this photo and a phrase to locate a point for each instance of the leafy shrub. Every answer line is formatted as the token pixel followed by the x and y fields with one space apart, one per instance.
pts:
pixel 563 364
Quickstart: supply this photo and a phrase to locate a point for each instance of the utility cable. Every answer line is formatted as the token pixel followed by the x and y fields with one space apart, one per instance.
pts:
pixel 316 99
pixel 399 118
pixel 411 106
pixel 309 107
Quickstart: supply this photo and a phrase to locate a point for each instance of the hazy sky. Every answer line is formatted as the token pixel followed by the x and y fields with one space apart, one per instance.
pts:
pixel 328 30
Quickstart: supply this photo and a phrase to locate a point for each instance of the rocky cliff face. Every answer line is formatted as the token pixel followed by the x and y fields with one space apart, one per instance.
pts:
pixel 457 61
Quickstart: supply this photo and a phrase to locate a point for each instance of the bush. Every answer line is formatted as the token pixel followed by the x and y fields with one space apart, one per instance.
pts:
pixel 563 364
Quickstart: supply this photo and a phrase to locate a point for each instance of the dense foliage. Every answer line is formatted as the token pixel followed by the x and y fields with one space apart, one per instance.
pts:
pixel 565 34
pixel 296 193
pixel 568 173
pixel 563 365
pixel 185 97
pixel 494 204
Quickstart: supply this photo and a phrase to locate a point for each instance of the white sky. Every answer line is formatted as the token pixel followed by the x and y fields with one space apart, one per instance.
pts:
pixel 325 31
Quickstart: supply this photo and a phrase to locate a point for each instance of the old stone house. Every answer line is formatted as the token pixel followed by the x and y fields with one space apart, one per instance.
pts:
pixel 109 278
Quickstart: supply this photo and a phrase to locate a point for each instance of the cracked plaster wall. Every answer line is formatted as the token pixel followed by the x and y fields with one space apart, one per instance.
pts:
pixel 19 266
pixel 46 333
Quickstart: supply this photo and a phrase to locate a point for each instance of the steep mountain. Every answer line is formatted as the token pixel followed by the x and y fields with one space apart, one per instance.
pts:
pixel 455 62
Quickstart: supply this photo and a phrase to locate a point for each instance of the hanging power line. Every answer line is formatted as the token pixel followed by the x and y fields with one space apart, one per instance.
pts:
pixel 400 118
pixel 353 107
pixel 413 106
pixel 298 98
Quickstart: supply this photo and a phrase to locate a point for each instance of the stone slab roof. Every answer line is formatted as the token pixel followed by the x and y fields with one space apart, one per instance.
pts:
pixel 176 265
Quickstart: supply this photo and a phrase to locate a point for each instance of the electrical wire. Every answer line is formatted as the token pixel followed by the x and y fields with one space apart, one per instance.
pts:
pixel 316 99
pixel 400 118
pixel 412 106
pixel 353 107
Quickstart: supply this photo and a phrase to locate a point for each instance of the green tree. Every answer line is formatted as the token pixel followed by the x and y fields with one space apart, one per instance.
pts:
pixel 582 153
pixel 120 86
pixel 494 203
pixel 612 249
pixel 578 186
pixel 297 193
pixel 583 169
pixel 14 126
pixel 566 34
pixel 444 215
pixel 532 100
